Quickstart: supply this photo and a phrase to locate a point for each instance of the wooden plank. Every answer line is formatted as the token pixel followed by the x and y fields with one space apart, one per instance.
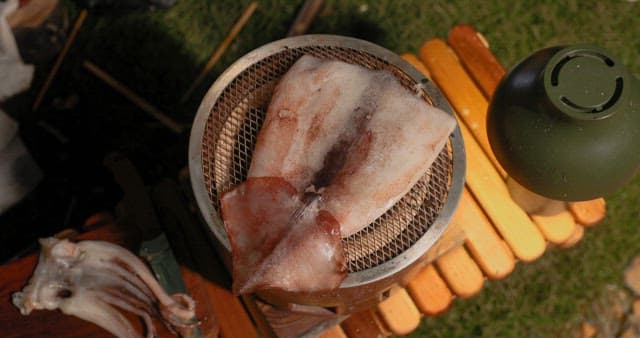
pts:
pixel 574 239
pixel 399 313
pixel 555 221
pixel 490 191
pixel 474 53
pixel 476 56
pixel 334 332
pixel 430 292
pixel 487 248
pixel 364 324
pixel 589 213
pixel 461 273
pixel 460 90
pixel 552 217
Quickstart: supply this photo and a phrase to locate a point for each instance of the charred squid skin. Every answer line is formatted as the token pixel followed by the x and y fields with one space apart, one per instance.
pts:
pixel 90 279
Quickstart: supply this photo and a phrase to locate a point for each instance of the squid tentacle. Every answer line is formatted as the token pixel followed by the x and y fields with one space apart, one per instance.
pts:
pixel 87 306
pixel 92 280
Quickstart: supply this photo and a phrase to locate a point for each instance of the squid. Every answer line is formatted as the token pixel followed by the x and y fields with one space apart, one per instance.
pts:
pixel 93 280
pixel 340 145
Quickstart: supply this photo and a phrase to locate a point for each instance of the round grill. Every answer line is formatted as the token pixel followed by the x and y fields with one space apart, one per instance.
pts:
pixel 231 115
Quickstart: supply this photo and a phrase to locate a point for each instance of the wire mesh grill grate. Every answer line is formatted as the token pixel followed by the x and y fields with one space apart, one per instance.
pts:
pixel 233 124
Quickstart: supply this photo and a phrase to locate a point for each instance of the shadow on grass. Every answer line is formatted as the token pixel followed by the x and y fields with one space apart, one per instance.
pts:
pixel 82 119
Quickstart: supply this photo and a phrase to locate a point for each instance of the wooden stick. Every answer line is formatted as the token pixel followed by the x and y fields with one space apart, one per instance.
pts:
pixel 217 54
pixel 61 56
pixel 133 97
pixel 306 15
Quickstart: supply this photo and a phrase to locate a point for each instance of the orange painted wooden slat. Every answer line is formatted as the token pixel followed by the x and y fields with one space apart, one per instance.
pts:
pixel 460 90
pixel 430 292
pixel 574 239
pixel 473 50
pixel 398 312
pixel 490 191
pixel 589 213
pixel 484 244
pixel 461 273
pixel 555 222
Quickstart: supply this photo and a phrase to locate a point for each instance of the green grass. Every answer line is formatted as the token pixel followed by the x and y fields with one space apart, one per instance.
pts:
pixel 158 54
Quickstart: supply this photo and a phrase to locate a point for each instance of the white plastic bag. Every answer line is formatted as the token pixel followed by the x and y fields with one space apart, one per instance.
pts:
pixel 15 76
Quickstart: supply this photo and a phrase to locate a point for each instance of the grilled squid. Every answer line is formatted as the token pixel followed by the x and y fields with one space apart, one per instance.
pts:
pixel 92 280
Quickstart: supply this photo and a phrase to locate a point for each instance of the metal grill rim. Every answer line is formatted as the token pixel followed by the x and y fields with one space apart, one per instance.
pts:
pixel 235 119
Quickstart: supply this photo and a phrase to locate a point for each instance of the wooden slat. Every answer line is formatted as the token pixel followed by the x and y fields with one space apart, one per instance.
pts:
pixel 430 292
pixel 484 244
pixel 476 56
pixel 490 191
pixel 333 332
pixel 399 313
pixel 552 217
pixel 460 90
pixel 588 213
pixel 473 50
pixel 574 239
pixel 555 221
pixel 461 273
pixel 364 324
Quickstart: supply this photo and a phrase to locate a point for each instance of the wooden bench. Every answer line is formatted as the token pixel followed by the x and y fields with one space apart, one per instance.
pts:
pixel 489 233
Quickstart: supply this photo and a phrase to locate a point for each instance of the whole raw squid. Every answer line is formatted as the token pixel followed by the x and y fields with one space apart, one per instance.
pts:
pixel 93 279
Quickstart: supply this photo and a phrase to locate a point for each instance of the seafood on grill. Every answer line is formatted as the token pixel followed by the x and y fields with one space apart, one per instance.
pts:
pixel 339 146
